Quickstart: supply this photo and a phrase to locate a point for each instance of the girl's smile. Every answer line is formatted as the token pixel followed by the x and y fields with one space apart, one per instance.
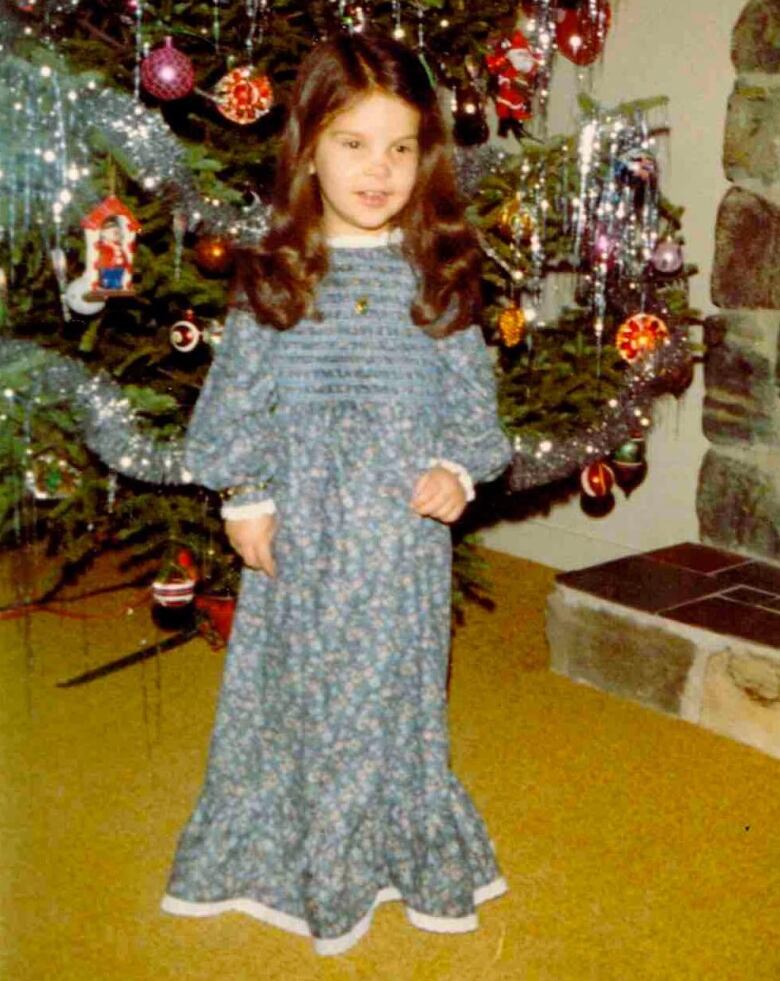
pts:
pixel 365 161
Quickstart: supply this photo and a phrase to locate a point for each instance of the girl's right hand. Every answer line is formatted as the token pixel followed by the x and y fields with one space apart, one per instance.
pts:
pixel 253 539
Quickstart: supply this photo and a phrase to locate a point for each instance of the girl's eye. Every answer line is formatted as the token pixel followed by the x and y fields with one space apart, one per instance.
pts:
pixel 405 148
pixel 351 144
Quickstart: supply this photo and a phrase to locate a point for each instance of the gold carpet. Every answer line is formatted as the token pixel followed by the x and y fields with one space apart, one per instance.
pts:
pixel 636 846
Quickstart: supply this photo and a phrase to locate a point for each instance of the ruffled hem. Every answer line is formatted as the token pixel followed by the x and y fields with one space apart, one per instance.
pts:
pixel 329 946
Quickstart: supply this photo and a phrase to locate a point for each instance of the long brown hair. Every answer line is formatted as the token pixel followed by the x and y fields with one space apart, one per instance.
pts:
pixel 280 275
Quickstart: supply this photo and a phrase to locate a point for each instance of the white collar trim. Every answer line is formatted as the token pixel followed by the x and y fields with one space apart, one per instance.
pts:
pixel 365 241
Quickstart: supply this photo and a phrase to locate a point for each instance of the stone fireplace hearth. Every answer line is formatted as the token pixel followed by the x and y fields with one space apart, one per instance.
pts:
pixel 738 499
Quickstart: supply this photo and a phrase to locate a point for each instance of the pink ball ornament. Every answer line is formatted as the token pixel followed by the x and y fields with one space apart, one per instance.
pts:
pixel 667 257
pixel 604 249
pixel 167 73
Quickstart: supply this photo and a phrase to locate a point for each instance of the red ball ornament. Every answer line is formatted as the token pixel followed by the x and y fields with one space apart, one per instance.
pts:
pixel 243 95
pixel 580 35
pixel 597 479
pixel 213 254
pixel 167 73
pixel 640 335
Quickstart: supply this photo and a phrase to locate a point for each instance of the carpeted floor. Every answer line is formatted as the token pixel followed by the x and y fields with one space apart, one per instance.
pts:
pixel 636 846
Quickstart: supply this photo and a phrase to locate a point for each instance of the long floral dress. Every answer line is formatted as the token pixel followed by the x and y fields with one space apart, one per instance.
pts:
pixel 328 788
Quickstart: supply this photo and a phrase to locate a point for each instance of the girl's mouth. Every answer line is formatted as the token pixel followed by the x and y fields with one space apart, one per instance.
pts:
pixel 374 199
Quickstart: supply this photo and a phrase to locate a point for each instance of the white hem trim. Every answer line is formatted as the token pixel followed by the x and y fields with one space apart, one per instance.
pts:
pixel 328 946
pixel 255 509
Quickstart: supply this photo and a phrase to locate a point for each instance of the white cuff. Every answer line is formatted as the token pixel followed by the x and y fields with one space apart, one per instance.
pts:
pixel 237 512
pixel 461 473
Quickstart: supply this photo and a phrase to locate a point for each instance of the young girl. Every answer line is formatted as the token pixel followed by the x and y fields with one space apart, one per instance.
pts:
pixel 349 410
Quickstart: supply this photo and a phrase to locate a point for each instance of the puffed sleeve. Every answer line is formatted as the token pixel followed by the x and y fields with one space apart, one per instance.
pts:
pixel 471 441
pixel 230 445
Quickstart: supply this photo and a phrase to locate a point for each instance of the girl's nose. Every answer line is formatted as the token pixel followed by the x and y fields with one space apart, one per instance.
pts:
pixel 379 165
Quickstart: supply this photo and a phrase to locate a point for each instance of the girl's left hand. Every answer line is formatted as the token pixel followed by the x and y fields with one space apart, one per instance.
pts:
pixel 439 494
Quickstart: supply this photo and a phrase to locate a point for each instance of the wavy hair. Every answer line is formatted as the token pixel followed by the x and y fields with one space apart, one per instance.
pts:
pixel 280 276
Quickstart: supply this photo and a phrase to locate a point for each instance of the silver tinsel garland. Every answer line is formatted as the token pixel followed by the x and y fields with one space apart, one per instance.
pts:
pixel 541 460
pixel 111 426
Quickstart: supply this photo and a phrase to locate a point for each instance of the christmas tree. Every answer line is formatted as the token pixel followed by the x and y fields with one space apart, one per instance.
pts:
pixel 139 153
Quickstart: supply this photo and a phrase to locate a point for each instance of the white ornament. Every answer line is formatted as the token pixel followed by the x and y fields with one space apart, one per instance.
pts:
pixel 74 297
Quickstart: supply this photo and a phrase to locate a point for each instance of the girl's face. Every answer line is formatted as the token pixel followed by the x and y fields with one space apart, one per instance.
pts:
pixel 366 164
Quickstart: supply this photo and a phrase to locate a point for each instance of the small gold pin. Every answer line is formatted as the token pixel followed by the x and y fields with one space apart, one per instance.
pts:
pixel 361 304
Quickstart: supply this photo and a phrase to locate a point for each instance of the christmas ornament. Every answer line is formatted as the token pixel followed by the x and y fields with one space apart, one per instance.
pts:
pixel 637 168
pixel 167 73
pixel 630 453
pixel 219 612
pixel 629 465
pixel 51 477
pixel 513 102
pixel 185 335
pixel 640 335
pixel 243 95
pixel 515 67
pixel 110 231
pixel 3 297
pixel 213 254
pixel 581 31
pixel 604 249
pixel 213 333
pixel 514 220
pixel 176 585
pixel 353 17
pixel 470 126
pixel 512 57
pixel 76 297
pixel 511 325
pixel 597 479
pixel 667 257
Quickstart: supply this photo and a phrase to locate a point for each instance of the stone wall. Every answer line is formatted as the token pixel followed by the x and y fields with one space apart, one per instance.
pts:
pixel 738 500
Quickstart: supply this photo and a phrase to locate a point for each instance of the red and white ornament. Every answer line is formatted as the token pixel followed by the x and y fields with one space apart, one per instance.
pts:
pixel 513 101
pixel 167 73
pixel 512 57
pixel 597 479
pixel 580 33
pixel 243 95
pixel 110 232
pixel 185 334
pixel 177 586
pixel 640 335
pixel 515 66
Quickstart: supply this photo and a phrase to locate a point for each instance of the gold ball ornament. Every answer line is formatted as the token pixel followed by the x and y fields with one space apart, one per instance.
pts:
pixel 514 220
pixel 511 325
pixel 214 254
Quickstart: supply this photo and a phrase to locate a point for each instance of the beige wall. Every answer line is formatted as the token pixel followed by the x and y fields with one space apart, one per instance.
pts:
pixel 681 49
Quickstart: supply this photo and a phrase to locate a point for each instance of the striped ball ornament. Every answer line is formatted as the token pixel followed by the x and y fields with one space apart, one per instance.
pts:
pixel 597 479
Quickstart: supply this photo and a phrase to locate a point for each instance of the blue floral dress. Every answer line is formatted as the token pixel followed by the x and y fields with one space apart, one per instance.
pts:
pixel 328 789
